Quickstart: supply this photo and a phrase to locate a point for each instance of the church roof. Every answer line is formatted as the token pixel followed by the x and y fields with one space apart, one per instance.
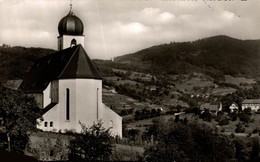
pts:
pixel 66 64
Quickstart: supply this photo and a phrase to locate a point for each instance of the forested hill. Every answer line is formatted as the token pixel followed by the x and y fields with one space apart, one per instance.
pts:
pixel 214 56
pixel 15 61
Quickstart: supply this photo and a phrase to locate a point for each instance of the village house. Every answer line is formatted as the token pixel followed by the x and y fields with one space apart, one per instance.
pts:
pixel 233 107
pixel 67 85
pixel 213 107
pixel 253 104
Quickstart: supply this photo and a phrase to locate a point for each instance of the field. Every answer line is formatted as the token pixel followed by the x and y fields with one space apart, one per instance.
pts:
pixel 188 82
pixel 228 129
pixel 120 102
pixel 127 152
pixel 238 80
pixel 42 140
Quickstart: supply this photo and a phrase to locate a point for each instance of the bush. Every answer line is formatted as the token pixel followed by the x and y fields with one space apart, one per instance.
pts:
pixel 196 110
pixel 244 117
pixel 254 131
pixel 94 144
pixel 240 128
pixel 242 150
pixel 123 112
pixel 189 142
pixel 224 122
pixel 133 134
pixel 206 116
pixel 232 135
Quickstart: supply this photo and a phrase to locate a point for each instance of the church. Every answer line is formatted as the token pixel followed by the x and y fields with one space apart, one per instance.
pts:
pixel 67 86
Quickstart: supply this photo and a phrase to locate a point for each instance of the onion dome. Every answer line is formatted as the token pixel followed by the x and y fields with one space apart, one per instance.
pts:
pixel 70 25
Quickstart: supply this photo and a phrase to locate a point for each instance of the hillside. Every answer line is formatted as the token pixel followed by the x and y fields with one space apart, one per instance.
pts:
pixel 16 61
pixel 214 56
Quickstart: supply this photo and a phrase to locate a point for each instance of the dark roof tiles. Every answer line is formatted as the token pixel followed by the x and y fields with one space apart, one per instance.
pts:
pixel 66 64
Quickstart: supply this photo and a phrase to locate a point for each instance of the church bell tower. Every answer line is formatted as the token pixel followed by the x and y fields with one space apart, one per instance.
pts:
pixel 71 31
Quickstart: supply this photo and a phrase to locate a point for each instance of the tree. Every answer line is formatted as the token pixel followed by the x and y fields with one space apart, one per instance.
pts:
pixel 196 111
pixel 155 128
pixel 255 149
pixel 137 115
pixel 158 112
pixel 248 111
pixel 240 128
pixel 207 116
pixel 224 121
pixel 245 117
pixel 242 150
pixel 133 134
pixel 19 113
pixel 153 113
pixel 94 144
pixel 123 112
pixel 189 142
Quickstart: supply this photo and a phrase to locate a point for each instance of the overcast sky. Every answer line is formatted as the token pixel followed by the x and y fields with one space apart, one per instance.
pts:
pixel 117 27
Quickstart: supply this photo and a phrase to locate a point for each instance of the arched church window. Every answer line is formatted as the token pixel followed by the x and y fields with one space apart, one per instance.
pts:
pixel 45 124
pixel 97 102
pixel 73 42
pixel 51 124
pixel 60 45
pixel 67 104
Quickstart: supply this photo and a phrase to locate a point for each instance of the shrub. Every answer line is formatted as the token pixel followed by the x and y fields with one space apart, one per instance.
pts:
pixel 94 144
pixel 244 117
pixel 206 116
pixel 232 135
pixel 224 122
pixel 240 128
pixel 254 131
pixel 189 142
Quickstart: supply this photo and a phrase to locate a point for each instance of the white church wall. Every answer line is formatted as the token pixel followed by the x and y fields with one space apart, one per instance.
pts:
pixel 50 116
pixel 47 96
pixel 85 96
pixel 60 43
pixel 65 124
pixel 65 41
pixel 111 120
pixel 88 90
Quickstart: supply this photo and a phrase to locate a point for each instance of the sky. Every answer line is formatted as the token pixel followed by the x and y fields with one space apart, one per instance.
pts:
pixel 117 27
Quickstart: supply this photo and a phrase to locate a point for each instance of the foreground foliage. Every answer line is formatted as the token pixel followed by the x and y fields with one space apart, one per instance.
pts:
pixel 94 144
pixel 19 113
pixel 189 142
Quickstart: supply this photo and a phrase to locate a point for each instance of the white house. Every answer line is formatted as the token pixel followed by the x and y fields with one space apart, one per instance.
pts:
pixel 253 104
pixel 67 85
pixel 233 107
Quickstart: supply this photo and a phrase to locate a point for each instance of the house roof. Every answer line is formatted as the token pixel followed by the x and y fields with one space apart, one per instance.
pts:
pixel 210 106
pixel 48 107
pixel 65 64
pixel 251 101
pixel 234 105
